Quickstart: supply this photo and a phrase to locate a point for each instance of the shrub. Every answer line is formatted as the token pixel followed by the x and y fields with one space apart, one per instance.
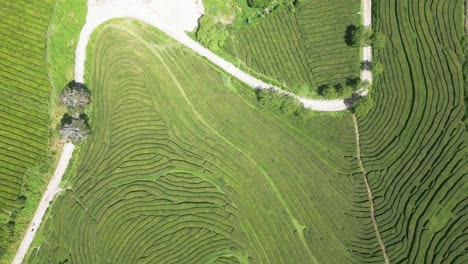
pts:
pixel 377 68
pixel 378 40
pixel 357 36
pixel 363 105
pixel 283 103
pixel 211 34
pixel 341 90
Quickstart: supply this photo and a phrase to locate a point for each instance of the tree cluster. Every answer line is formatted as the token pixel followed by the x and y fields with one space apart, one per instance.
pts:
pixel 211 33
pixel 342 90
pixel 74 125
pixel 282 103
pixel 359 36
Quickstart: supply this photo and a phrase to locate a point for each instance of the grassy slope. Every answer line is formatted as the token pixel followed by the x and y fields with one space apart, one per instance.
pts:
pixel 185 165
pixel 413 140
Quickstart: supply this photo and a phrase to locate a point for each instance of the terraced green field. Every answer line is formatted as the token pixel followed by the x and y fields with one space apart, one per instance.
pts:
pixel 185 166
pixel 24 108
pixel 414 142
pixel 301 50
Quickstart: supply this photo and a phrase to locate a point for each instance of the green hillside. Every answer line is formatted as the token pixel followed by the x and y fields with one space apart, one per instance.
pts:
pixel 185 166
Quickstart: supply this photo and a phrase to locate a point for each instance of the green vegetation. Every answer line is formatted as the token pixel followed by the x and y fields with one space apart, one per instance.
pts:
pixel 28 145
pixel 259 3
pixel 186 166
pixel 24 108
pixel 359 36
pixel 465 65
pixel 299 45
pixel 282 103
pixel 64 32
pixel 414 143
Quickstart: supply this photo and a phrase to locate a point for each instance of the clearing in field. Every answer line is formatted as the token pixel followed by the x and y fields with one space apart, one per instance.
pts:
pixel 185 166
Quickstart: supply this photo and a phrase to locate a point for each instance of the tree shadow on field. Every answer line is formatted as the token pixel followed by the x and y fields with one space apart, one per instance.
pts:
pixel 350 35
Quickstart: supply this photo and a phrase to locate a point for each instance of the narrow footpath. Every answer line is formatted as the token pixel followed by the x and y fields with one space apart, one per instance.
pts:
pixel 369 191
pixel 52 190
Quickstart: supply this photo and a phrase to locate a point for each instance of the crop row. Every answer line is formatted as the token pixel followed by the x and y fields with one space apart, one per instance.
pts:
pixel 24 89
pixel 322 26
pixel 301 49
pixel 414 144
pixel 275 49
pixel 181 169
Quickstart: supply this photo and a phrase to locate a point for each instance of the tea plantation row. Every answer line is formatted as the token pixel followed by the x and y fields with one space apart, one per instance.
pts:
pixel 301 50
pixel 413 141
pixel 24 104
pixel 184 166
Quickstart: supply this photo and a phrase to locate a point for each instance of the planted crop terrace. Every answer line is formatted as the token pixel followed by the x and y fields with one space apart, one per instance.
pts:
pixel 413 141
pixel 24 92
pixel 185 166
pixel 305 48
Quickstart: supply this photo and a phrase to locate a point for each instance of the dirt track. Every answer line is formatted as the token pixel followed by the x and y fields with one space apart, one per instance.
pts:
pixel 369 192
pixel 52 189
pixel 156 16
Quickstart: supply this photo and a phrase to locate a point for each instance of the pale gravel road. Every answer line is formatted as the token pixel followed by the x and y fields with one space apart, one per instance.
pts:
pixel 366 12
pixel 52 189
pixel 160 14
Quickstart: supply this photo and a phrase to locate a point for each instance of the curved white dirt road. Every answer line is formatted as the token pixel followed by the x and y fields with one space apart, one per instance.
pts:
pixel 160 13
pixel 366 6
pixel 52 189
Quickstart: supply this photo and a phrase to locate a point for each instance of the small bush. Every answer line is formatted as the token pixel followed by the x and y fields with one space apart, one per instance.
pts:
pixel 211 34
pixel 378 41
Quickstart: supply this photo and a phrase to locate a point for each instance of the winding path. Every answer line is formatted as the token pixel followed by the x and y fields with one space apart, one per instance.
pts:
pixel 156 14
pixel 52 190
pixel 159 13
